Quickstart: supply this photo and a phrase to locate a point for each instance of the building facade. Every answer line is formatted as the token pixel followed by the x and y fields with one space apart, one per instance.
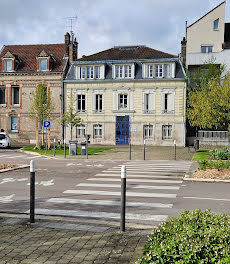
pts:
pixel 207 40
pixel 22 67
pixel 128 94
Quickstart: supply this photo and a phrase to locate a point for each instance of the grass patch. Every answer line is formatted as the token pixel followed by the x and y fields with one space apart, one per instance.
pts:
pixel 91 151
pixel 201 155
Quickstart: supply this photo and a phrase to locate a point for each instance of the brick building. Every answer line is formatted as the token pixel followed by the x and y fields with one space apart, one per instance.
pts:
pixel 22 67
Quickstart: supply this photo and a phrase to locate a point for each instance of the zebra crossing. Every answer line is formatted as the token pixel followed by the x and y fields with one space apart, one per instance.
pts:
pixel 152 188
pixel 13 156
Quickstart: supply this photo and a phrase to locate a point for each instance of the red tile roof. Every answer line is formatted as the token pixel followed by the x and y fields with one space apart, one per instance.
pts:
pixel 127 53
pixel 28 54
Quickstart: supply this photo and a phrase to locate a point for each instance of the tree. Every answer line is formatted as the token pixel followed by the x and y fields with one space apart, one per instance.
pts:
pixel 41 108
pixel 70 118
pixel 209 106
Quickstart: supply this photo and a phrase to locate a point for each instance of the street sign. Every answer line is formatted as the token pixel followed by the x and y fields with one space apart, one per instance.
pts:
pixel 133 129
pixel 46 124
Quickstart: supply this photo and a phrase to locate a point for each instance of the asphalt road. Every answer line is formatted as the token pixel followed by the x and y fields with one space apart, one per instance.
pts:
pixel 90 189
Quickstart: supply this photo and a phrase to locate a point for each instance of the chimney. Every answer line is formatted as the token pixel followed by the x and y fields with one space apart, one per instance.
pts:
pixel 75 49
pixel 67 44
pixel 183 51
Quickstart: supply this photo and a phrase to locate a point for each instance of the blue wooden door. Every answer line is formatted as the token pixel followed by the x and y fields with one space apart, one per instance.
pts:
pixel 122 130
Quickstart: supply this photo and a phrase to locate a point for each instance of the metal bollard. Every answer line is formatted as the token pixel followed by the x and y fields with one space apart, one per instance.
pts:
pixel 32 191
pixel 174 149
pixel 54 146
pixel 86 148
pixel 123 198
pixel 144 149
pixel 130 151
pixel 64 149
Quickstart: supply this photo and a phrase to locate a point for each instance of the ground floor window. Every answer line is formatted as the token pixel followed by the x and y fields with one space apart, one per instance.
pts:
pixel 13 124
pixel 97 131
pixel 81 131
pixel 167 132
pixel 148 131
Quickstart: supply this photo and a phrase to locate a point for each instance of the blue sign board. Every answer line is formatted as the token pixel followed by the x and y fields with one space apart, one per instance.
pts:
pixel 46 124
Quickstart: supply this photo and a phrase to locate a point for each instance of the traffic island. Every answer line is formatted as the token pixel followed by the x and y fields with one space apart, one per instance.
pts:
pixel 10 167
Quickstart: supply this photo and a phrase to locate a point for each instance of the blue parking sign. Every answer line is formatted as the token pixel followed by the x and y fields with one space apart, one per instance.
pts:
pixel 46 124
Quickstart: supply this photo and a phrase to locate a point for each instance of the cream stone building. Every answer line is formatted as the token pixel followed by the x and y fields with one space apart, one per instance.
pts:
pixel 128 94
pixel 22 67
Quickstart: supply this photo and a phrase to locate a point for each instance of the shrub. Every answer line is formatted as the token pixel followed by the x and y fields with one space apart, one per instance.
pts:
pixel 209 164
pixel 222 154
pixel 194 237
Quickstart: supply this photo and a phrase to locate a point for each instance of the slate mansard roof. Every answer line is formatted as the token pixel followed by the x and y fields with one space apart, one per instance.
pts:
pixel 27 54
pixel 126 54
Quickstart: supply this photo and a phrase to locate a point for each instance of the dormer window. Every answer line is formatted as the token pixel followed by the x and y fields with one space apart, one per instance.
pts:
pixel 8 65
pixel 43 64
pixel 92 72
pixel 124 71
pixel 164 70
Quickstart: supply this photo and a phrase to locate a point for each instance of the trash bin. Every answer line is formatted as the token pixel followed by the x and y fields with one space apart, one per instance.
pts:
pixel 73 147
pixel 196 144
pixel 83 148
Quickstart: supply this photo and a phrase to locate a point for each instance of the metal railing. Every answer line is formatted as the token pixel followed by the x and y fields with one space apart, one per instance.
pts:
pixel 212 135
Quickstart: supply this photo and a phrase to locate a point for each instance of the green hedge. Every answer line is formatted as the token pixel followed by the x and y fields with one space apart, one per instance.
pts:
pixel 194 237
pixel 209 164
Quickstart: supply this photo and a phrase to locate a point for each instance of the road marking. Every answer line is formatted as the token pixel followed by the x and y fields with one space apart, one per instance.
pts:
pixel 134 180
pixel 145 172
pixel 44 183
pixel 109 203
pixel 207 198
pixel 33 157
pixel 14 157
pixel 7 199
pixel 134 194
pixel 137 175
pixel 130 186
pixel 106 215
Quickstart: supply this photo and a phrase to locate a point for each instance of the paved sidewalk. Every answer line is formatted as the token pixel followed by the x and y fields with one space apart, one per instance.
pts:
pixel 52 240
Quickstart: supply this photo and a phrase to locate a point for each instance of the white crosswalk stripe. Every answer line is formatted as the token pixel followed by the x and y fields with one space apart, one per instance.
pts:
pixel 102 195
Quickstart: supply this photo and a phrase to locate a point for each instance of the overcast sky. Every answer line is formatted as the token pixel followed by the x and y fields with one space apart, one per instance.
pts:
pixel 101 24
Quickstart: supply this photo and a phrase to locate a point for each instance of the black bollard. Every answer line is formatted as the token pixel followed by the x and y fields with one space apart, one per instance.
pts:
pixel 32 191
pixel 123 198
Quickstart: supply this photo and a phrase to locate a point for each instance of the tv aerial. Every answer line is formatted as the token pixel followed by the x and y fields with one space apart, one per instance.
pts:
pixel 71 19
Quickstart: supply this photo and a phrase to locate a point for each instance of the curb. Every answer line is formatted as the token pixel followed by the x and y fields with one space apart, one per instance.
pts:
pixel 188 178
pixel 16 168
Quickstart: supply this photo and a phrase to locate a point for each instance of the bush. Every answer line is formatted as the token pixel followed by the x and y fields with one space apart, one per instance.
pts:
pixel 221 154
pixel 209 164
pixel 194 237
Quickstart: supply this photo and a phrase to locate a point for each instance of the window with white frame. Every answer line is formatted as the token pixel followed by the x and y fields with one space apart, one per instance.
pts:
pixel 2 95
pixel 97 131
pixel 89 72
pixel 148 131
pixel 13 123
pixel 149 102
pixel 168 103
pixel 98 103
pixel 124 71
pixel 122 101
pixel 206 48
pixel 158 70
pixel 167 132
pixel 8 65
pixel 81 102
pixel 15 95
pixel 80 131
pixel 43 64
pixel 216 24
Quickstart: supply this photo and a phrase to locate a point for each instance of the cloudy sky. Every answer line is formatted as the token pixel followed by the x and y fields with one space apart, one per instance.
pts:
pixel 101 24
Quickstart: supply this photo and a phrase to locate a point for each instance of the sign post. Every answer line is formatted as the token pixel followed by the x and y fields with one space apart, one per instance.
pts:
pixel 46 125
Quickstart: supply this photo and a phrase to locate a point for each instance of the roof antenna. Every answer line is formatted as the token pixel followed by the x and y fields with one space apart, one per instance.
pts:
pixel 71 19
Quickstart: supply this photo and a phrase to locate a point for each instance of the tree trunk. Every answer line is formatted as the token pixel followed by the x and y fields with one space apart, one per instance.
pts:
pixel 37 134
pixel 71 131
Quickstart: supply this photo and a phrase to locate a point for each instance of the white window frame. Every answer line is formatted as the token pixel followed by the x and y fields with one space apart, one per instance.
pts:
pixel 4 96
pixel 81 110
pixel 45 61
pixel 150 71
pixel 149 107
pixel 123 71
pixel 158 70
pixel 167 132
pixel 100 102
pixel 147 131
pixel 6 66
pixel 123 97
pixel 12 95
pixel 13 130
pixel 163 106
pixel 90 72
pixel 80 131
pixel 206 48
pixel 97 131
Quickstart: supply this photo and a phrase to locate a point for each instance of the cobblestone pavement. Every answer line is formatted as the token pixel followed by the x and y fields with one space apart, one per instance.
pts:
pixel 60 241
